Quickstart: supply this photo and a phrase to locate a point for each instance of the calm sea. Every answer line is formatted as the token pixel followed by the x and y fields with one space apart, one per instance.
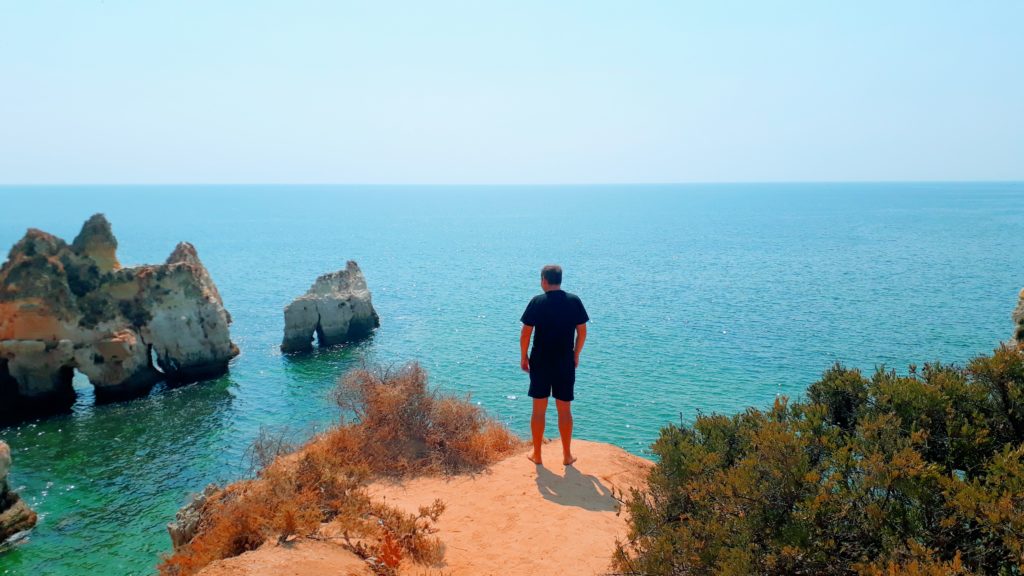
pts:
pixel 702 298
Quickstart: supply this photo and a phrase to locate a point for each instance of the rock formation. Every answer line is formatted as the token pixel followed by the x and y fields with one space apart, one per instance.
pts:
pixel 1018 320
pixel 337 308
pixel 186 521
pixel 15 515
pixel 65 307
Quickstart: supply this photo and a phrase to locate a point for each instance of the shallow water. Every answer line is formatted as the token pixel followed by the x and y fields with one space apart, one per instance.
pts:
pixel 702 297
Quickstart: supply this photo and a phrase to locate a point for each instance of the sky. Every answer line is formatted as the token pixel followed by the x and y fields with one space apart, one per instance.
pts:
pixel 520 92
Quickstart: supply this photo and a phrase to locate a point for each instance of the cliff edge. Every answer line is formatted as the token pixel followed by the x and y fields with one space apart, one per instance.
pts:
pixel 513 519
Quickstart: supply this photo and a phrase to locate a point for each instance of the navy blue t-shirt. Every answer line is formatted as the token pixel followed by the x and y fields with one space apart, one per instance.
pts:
pixel 554 315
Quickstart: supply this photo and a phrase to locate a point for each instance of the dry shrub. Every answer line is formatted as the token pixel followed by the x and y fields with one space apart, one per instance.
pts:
pixel 288 498
pixel 401 428
pixel 399 535
pixel 398 428
pixel 267 447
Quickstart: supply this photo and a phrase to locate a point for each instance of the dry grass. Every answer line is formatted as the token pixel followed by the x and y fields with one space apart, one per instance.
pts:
pixel 397 428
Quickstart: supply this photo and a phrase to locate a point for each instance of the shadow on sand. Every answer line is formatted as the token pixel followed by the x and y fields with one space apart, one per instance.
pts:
pixel 575 489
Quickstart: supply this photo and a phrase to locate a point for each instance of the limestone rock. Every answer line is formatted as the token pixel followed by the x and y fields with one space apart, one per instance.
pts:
pixel 96 241
pixel 15 515
pixel 186 521
pixel 65 307
pixel 41 369
pixel 337 308
pixel 188 326
pixel 1018 319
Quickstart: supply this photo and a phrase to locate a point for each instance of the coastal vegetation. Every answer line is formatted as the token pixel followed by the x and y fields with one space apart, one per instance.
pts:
pixel 917 474
pixel 392 427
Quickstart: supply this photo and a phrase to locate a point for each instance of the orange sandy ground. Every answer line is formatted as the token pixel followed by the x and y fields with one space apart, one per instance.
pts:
pixel 514 519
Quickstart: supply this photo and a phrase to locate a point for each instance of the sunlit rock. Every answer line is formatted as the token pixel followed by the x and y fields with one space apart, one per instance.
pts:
pixel 66 307
pixel 15 515
pixel 186 521
pixel 337 308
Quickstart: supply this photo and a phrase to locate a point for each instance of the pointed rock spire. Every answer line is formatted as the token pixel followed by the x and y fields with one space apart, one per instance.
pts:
pixel 96 241
pixel 184 253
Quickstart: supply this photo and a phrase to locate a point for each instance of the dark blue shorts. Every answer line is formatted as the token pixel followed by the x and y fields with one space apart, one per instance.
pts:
pixel 553 377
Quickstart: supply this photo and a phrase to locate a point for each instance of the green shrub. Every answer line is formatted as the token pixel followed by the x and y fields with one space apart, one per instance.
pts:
pixel 915 474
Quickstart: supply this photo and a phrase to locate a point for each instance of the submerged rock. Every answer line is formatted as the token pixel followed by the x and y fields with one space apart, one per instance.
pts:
pixel 337 308
pixel 65 307
pixel 1018 319
pixel 15 515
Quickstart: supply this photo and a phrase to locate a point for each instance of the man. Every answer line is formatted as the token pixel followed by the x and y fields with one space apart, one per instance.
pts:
pixel 557 316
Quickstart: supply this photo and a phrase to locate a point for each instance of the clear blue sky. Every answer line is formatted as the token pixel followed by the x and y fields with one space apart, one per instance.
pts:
pixel 120 91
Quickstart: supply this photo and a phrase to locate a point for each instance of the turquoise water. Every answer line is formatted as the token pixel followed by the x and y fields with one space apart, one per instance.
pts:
pixel 706 298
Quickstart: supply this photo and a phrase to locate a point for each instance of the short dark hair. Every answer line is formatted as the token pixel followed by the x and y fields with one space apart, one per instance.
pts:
pixel 552 273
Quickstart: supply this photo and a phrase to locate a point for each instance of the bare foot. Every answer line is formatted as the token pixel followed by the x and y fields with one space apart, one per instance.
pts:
pixel 534 459
pixel 569 461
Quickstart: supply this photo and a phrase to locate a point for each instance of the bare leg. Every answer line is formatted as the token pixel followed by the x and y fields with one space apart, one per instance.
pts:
pixel 540 408
pixel 565 429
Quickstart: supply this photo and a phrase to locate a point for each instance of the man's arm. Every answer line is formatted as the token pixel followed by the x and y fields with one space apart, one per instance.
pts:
pixel 524 345
pixel 581 337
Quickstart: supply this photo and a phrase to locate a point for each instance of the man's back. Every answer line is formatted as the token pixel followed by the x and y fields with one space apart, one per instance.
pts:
pixel 555 315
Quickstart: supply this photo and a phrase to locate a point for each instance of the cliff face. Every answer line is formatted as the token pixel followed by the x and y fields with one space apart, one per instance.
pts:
pixel 15 515
pixel 337 308
pixel 65 307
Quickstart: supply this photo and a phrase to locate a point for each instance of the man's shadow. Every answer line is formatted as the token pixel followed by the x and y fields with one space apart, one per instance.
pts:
pixel 575 489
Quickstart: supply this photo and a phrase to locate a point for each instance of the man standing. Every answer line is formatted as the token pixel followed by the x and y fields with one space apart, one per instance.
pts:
pixel 558 317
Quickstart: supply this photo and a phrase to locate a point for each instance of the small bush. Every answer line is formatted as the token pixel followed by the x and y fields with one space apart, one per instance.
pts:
pixel 267 447
pixel 400 428
pixel 919 474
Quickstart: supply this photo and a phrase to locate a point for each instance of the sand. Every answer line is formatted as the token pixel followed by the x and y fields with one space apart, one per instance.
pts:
pixel 514 519
pixel 302 558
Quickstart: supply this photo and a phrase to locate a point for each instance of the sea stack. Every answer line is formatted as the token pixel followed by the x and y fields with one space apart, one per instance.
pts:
pixel 15 515
pixel 74 307
pixel 1018 320
pixel 337 308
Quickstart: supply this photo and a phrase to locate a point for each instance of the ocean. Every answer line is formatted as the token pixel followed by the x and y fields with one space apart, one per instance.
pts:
pixel 702 298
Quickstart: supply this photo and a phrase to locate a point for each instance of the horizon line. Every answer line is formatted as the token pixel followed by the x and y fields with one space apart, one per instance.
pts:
pixel 499 184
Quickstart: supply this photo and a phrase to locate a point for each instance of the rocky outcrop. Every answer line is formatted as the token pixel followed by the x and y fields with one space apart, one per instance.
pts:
pixel 186 521
pixel 1018 320
pixel 15 515
pixel 337 308
pixel 66 307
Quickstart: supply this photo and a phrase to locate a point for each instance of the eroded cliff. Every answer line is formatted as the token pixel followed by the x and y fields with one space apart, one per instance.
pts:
pixel 66 307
